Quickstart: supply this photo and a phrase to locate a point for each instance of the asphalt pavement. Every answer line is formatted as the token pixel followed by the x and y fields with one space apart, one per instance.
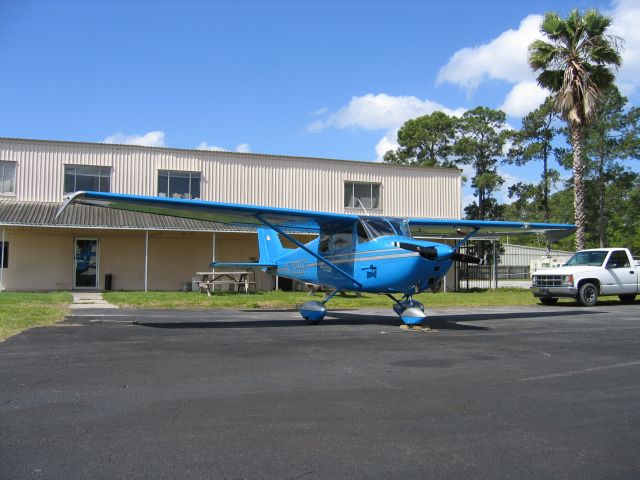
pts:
pixel 495 393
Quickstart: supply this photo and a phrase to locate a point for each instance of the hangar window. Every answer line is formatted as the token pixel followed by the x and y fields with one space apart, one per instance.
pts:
pixel 362 195
pixel 176 184
pixel 7 178
pixel 87 177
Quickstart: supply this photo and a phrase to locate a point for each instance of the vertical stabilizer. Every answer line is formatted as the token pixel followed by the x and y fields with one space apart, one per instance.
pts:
pixel 270 246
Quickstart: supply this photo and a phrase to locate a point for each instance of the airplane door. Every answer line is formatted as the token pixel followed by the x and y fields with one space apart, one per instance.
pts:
pixel 339 248
pixel 622 274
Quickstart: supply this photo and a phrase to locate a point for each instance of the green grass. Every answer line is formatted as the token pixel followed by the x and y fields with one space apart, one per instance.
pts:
pixel 291 300
pixel 19 311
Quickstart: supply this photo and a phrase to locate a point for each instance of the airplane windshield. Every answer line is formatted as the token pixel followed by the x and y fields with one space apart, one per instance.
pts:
pixel 401 226
pixel 378 227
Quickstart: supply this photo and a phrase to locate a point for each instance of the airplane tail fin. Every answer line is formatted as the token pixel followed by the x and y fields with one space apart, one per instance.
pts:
pixel 270 245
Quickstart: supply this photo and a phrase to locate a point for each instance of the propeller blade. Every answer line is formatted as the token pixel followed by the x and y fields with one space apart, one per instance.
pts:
pixel 461 257
pixel 430 253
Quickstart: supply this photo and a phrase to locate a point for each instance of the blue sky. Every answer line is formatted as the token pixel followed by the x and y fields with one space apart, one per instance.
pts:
pixel 313 78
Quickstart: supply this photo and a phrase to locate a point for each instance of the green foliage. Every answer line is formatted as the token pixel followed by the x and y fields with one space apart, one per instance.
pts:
pixel 482 134
pixel 576 65
pixel 425 141
pixel 534 141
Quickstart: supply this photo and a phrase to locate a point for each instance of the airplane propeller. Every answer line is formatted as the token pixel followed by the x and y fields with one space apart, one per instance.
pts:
pixel 431 253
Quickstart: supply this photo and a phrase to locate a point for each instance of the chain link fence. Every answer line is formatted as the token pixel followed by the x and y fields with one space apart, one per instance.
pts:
pixel 505 265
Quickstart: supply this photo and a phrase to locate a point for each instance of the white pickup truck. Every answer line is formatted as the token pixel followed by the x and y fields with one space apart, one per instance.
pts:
pixel 587 275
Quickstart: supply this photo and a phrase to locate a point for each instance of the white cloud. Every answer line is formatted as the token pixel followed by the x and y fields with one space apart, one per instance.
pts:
pixel 379 112
pixel 242 148
pixel 213 148
pixel 386 143
pixel 626 18
pixel 503 58
pixel 523 98
pixel 149 139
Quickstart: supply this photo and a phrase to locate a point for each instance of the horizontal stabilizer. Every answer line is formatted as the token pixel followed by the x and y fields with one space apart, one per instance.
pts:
pixel 247 265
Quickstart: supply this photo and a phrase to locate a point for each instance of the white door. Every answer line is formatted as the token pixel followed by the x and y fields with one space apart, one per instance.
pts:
pixel 621 278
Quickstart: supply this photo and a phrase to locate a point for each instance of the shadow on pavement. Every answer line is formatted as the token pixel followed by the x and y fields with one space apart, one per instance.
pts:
pixel 440 322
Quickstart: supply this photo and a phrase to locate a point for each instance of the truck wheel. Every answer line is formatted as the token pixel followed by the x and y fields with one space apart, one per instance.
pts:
pixel 627 298
pixel 548 301
pixel 588 295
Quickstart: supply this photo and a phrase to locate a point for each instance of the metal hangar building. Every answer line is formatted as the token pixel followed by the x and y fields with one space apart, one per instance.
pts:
pixel 137 251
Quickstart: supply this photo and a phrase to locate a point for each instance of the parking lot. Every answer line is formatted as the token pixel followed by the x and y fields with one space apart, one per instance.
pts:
pixel 513 392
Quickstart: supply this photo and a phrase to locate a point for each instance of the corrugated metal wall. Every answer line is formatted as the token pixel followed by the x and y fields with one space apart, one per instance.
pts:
pixel 292 182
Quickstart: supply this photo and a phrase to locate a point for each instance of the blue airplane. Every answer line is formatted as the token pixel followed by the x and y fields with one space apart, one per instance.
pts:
pixel 357 253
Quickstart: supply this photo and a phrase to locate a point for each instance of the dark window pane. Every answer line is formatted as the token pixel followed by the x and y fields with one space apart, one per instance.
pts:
pixel 105 184
pixel 69 181
pixel 179 184
pixel 195 185
pixel 362 193
pixel 375 196
pixel 348 194
pixel 8 177
pixel 87 182
pixel 163 183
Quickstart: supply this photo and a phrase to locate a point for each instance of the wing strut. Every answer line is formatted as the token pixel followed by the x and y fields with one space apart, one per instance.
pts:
pixel 309 251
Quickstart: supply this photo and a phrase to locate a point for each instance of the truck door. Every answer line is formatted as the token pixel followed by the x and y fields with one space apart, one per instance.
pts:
pixel 621 273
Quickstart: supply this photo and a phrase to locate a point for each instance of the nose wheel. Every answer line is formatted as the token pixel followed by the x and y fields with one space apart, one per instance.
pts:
pixel 410 311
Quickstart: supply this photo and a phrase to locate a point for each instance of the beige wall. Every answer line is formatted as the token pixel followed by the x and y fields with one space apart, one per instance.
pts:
pixel 291 182
pixel 42 259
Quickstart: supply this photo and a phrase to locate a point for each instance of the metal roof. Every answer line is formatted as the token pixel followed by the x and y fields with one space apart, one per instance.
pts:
pixel 42 214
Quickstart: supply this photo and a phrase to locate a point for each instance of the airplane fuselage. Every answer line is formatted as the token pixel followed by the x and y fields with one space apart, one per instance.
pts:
pixel 378 265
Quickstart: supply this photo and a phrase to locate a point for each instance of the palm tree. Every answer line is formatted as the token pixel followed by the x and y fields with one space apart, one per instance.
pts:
pixel 576 66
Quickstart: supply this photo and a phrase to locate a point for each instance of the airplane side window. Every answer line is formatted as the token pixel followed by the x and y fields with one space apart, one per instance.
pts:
pixel 362 233
pixel 342 240
pixel 323 246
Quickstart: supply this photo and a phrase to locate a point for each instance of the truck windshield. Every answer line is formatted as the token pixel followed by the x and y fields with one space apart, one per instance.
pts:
pixel 591 259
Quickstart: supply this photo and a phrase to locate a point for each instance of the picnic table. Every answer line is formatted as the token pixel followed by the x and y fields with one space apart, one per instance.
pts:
pixel 235 281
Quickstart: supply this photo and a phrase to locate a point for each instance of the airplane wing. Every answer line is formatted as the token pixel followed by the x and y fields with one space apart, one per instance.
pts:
pixel 229 213
pixel 430 227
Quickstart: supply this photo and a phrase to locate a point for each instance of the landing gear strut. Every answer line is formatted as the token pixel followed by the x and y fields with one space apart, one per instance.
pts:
pixel 409 310
pixel 315 311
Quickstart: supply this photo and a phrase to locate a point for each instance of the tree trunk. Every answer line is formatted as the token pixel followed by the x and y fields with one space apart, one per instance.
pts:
pixel 578 185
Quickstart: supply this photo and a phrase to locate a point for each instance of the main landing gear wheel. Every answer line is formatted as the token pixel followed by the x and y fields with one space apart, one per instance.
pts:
pixel 313 311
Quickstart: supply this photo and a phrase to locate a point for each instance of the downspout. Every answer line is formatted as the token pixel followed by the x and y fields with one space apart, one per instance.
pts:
pixel 2 260
pixel 146 260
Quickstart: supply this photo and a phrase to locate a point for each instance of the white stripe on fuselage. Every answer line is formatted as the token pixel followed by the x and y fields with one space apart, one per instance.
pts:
pixel 365 257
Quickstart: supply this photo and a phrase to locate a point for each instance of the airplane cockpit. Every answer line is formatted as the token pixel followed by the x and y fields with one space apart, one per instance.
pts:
pixel 374 227
pixel 367 229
